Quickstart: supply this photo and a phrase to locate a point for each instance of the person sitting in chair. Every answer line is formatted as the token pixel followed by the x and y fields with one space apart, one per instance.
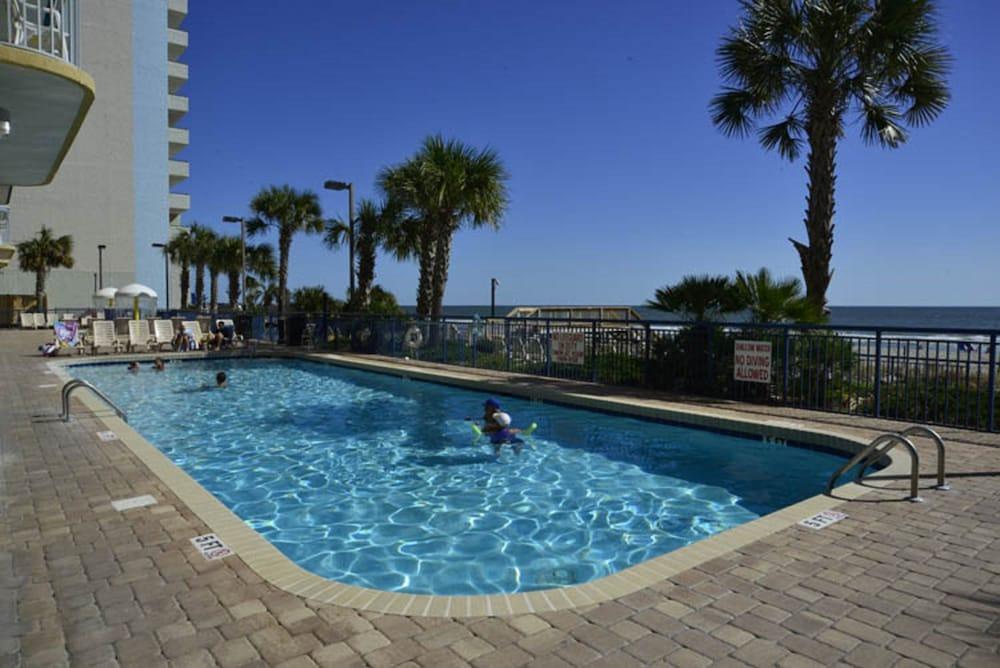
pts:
pixel 222 335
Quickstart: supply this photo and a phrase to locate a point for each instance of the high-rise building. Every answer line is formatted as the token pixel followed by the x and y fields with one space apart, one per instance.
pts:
pixel 115 185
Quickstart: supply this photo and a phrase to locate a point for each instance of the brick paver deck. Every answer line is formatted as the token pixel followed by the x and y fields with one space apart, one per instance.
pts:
pixel 82 584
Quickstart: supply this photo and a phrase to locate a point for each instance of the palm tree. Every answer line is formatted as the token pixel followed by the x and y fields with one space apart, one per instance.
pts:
pixel 202 245
pixel 260 267
pixel 445 185
pixel 310 299
pixel 287 211
pixel 770 300
pixel 181 251
pixel 42 254
pixel 375 223
pixel 225 257
pixel 810 64
pixel 698 298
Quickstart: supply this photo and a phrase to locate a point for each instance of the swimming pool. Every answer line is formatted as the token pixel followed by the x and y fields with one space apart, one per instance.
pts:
pixel 377 481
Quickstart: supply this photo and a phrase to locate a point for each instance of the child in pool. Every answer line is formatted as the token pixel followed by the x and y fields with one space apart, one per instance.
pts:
pixel 497 427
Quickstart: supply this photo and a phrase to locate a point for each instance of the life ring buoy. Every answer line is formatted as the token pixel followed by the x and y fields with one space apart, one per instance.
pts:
pixel 413 338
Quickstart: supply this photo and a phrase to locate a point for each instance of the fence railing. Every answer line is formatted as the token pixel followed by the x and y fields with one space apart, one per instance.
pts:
pixel 46 26
pixel 934 376
pixel 944 377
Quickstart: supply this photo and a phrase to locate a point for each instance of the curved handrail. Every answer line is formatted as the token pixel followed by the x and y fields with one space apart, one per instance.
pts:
pixel 930 433
pixel 871 450
pixel 920 430
pixel 68 388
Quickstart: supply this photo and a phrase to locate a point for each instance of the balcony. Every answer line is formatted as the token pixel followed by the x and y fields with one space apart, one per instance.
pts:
pixel 46 96
pixel 177 43
pixel 6 250
pixel 177 76
pixel 176 12
pixel 177 108
pixel 179 203
pixel 178 139
pixel 44 26
pixel 180 170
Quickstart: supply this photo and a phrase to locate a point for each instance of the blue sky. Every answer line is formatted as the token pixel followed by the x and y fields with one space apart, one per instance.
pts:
pixel 619 181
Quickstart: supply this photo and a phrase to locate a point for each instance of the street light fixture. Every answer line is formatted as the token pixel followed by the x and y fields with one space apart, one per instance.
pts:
pixel 100 265
pixel 349 187
pixel 166 274
pixel 243 256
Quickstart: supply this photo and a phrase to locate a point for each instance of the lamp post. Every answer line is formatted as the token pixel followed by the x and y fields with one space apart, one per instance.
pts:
pixel 243 256
pixel 349 187
pixel 494 284
pixel 166 274
pixel 100 265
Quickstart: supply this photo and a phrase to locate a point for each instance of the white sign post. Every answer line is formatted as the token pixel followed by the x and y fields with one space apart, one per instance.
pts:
pixel 752 361
pixel 568 348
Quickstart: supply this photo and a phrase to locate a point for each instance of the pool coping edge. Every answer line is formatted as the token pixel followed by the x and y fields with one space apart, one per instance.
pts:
pixel 274 567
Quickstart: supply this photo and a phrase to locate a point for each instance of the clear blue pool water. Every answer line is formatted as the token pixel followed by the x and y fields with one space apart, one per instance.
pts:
pixel 378 481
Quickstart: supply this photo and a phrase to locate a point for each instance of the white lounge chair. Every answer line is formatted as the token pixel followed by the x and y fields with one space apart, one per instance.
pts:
pixel 39 320
pixel 27 321
pixel 103 336
pixel 51 319
pixel 138 335
pixel 195 328
pixel 163 333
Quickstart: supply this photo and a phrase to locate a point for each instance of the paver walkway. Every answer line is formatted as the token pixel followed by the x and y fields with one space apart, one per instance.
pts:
pixel 82 584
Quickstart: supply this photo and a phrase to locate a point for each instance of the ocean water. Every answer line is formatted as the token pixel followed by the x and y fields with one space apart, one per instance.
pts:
pixel 939 317
pixel 379 481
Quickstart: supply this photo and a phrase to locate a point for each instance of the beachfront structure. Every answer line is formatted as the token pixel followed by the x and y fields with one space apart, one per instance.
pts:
pixel 107 177
pixel 623 313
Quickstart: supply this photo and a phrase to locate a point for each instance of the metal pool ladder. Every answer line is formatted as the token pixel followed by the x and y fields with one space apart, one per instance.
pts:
pixel 68 388
pixel 873 451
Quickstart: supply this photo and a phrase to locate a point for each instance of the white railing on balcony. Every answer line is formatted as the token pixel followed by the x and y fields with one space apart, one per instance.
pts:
pixel 4 224
pixel 45 26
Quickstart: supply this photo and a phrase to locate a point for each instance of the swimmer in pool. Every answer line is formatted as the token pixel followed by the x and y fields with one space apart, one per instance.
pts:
pixel 496 425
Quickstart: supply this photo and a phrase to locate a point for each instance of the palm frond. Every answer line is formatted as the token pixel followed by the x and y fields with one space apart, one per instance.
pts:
pixel 784 137
pixel 733 112
pixel 880 125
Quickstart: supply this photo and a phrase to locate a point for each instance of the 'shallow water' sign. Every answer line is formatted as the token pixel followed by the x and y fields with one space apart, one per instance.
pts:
pixel 752 361
pixel 568 347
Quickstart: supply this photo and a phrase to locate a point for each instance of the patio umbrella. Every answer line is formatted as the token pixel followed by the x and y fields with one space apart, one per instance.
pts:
pixel 136 291
pixel 106 294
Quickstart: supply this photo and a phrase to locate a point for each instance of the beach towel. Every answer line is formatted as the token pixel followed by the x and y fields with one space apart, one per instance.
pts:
pixel 67 333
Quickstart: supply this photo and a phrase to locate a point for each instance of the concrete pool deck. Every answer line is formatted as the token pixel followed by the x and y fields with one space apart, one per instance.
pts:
pixel 84 584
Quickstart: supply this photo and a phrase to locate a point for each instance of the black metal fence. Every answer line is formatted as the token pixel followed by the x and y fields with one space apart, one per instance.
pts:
pixel 943 377
pixel 933 376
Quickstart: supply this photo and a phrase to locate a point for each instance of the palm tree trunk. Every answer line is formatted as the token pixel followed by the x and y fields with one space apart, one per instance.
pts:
pixel 199 285
pixel 40 290
pixel 234 289
pixel 442 258
pixel 284 245
pixel 822 164
pixel 366 275
pixel 185 284
pixel 214 291
pixel 426 282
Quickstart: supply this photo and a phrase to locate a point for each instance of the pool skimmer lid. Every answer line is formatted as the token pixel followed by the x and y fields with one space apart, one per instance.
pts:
pixel 134 502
